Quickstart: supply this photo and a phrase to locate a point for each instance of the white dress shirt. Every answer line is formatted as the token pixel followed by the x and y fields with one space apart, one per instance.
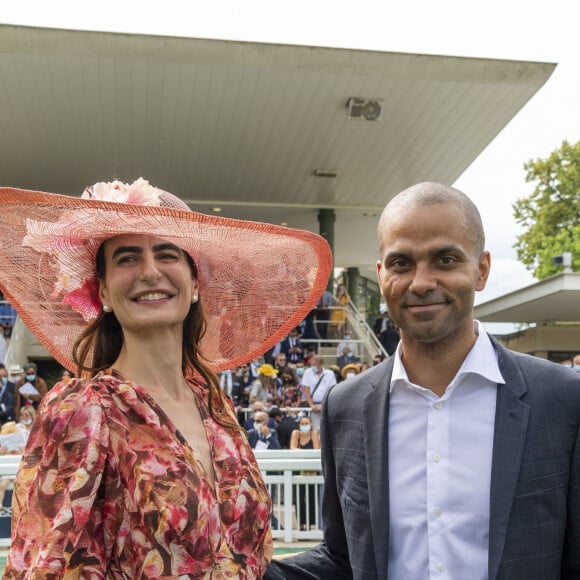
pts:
pixel 440 453
pixel 311 378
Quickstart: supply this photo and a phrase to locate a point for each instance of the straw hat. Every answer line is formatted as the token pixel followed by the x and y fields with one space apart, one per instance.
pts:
pixel 349 369
pixel 257 281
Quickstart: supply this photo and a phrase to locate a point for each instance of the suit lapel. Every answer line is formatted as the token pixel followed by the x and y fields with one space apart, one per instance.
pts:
pixel 511 422
pixel 376 417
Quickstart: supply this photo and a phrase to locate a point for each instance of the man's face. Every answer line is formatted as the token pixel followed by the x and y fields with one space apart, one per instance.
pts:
pixel 261 418
pixel 428 272
pixel 3 374
pixel 281 360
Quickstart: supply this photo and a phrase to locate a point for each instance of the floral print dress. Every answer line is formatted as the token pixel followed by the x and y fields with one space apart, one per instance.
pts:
pixel 108 488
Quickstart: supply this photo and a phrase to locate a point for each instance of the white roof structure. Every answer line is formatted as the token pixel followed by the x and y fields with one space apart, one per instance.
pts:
pixel 554 299
pixel 247 126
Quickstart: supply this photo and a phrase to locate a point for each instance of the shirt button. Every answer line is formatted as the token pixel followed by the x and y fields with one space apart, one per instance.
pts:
pixel 437 512
pixel 440 567
pixel 438 405
pixel 436 458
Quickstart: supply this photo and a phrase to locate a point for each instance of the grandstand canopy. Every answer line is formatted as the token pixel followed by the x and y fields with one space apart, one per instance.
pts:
pixel 246 126
pixel 554 299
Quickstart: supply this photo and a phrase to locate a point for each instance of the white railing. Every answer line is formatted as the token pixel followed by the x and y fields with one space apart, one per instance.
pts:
pixel 294 479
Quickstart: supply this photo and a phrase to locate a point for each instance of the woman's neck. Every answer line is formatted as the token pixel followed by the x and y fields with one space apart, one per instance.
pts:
pixel 155 364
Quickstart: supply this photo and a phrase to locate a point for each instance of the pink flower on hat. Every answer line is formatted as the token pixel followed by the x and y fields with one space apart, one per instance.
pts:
pixel 85 300
pixel 82 294
pixel 140 192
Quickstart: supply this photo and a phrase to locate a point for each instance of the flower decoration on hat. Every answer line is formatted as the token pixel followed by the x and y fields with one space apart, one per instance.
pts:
pixel 82 294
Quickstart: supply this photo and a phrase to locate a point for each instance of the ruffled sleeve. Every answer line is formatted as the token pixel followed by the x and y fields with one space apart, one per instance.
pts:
pixel 57 520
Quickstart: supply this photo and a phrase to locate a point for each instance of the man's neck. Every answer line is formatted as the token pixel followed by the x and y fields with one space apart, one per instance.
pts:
pixel 433 366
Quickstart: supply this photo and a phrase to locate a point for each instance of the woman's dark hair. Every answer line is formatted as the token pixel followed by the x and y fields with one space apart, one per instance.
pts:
pixel 105 337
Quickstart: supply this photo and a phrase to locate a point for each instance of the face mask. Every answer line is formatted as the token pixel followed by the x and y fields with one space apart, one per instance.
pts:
pixel 347 337
pixel 300 372
pixel 4 381
pixel 30 377
pixel 305 428
pixel 27 421
pixel 576 368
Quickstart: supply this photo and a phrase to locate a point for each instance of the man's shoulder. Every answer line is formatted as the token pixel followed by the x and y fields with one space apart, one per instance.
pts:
pixel 539 374
pixel 364 382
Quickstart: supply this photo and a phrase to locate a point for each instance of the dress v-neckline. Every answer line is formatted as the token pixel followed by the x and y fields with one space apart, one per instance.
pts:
pixel 213 483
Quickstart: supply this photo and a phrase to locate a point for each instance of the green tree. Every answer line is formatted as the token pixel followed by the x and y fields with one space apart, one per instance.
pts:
pixel 551 214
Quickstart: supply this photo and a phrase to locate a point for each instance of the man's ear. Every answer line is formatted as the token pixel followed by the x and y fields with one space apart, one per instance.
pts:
pixel 484 267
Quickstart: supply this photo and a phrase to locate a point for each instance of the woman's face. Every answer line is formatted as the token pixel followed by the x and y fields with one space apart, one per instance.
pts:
pixel 148 282
pixel 26 417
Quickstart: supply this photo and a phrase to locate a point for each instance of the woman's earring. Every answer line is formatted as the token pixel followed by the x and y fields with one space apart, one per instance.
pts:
pixel 194 298
pixel 107 308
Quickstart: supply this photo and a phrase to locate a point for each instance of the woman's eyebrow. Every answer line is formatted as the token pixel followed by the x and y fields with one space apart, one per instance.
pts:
pixel 124 249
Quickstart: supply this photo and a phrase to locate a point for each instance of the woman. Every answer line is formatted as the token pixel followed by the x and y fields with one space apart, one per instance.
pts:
pixel 138 469
pixel 306 438
pixel 65 376
pixel 13 437
pixel 338 312
pixel 265 387
pixel 291 391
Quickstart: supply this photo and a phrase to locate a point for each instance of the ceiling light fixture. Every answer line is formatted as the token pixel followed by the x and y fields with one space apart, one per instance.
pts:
pixel 216 209
pixel 325 173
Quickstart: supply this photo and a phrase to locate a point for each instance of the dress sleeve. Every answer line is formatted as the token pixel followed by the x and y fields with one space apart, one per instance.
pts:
pixel 57 520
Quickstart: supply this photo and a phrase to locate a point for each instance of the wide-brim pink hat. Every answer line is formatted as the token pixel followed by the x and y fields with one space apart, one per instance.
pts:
pixel 257 281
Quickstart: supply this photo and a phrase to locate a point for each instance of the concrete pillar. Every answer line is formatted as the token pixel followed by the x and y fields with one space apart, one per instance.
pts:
pixel 352 280
pixel 326 219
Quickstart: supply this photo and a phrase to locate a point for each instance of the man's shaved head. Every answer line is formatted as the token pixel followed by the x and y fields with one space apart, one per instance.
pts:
pixel 431 193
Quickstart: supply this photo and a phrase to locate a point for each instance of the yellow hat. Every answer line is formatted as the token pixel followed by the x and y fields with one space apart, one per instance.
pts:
pixel 267 370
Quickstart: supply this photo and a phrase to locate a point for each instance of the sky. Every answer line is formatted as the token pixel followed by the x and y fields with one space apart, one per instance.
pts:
pixel 536 30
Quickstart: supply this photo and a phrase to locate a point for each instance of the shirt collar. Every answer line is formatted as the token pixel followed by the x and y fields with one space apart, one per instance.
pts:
pixel 480 360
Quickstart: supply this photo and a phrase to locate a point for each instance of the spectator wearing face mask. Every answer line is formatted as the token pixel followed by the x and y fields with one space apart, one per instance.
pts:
pixel 349 343
pixel 576 363
pixel 6 396
pixel 306 438
pixel 29 390
pixel 262 436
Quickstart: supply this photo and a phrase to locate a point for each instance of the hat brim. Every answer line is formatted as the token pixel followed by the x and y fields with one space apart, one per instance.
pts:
pixel 347 368
pixel 257 281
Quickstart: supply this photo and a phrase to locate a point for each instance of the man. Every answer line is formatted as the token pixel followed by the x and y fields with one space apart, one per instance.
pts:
pixel 257 407
pixel 457 458
pixel 291 346
pixel 323 315
pixel 576 363
pixel 347 342
pixel 29 390
pixel 389 337
pixel 6 396
pixel 315 383
pixel 280 362
pixel 286 423
pixel 261 436
pixel 347 358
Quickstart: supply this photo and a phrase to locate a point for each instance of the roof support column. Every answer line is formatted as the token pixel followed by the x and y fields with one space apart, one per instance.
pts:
pixel 326 219
pixel 352 280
